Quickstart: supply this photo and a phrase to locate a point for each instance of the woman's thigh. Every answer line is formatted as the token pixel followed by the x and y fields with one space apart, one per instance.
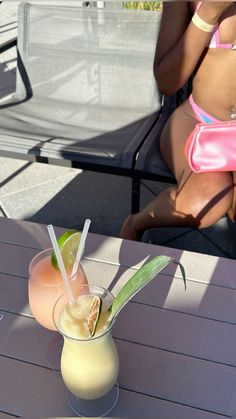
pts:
pixel 208 194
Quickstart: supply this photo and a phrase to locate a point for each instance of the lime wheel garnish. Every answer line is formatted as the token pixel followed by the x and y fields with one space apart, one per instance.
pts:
pixel 68 244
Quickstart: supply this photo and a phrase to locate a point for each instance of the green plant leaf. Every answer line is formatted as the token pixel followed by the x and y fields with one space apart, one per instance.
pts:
pixel 144 275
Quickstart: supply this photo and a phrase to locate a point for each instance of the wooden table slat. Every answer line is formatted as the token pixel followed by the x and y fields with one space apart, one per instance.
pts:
pixel 208 269
pixel 197 299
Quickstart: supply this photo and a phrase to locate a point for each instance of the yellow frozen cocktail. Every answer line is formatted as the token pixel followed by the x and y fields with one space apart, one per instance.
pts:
pixel 89 360
pixel 89 364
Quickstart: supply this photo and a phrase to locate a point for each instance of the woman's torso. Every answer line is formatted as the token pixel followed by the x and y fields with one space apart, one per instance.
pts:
pixel 216 73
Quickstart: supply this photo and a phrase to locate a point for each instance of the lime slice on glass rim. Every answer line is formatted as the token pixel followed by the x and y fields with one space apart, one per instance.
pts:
pixel 144 275
pixel 68 244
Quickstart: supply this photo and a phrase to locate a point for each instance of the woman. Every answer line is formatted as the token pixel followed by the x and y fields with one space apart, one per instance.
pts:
pixel 195 38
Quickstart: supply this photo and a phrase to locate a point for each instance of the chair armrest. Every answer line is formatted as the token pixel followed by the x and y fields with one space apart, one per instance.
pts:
pixel 10 43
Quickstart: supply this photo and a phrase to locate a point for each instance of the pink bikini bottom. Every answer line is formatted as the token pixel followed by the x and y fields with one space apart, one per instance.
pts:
pixel 201 115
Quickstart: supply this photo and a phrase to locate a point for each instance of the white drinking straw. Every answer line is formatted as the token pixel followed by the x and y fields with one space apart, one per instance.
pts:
pixel 81 246
pixel 60 261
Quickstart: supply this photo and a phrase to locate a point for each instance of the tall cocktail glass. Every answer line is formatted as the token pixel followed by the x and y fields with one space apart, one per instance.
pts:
pixel 45 285
pixel 89 366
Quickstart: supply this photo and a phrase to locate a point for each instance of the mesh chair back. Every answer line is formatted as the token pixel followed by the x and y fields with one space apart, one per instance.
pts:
pixel 89 56
pixel 85 86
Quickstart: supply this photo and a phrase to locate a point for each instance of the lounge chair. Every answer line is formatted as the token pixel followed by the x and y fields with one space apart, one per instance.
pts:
pixel 85 92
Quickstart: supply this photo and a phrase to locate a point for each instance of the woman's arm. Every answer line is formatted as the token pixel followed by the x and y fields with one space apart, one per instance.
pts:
pixel 180 43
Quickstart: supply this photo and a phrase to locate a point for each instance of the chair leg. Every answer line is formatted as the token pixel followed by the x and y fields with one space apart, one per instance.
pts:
pixel 135 198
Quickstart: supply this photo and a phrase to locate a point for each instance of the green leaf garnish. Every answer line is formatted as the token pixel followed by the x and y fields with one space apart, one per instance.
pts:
pixel 144 275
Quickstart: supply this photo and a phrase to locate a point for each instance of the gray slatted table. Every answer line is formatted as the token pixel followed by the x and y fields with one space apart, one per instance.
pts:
pixel 177 346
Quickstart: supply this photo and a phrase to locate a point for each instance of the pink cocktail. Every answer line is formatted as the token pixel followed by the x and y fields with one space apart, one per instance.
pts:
pixel 45 285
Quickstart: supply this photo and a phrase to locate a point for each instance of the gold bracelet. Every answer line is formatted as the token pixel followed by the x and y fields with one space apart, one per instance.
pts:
pixel 201 24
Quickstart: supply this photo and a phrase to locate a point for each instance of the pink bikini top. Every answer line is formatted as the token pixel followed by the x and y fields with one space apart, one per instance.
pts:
pixel 215 40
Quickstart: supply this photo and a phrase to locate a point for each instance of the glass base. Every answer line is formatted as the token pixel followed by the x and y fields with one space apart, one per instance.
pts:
pixel 94 408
